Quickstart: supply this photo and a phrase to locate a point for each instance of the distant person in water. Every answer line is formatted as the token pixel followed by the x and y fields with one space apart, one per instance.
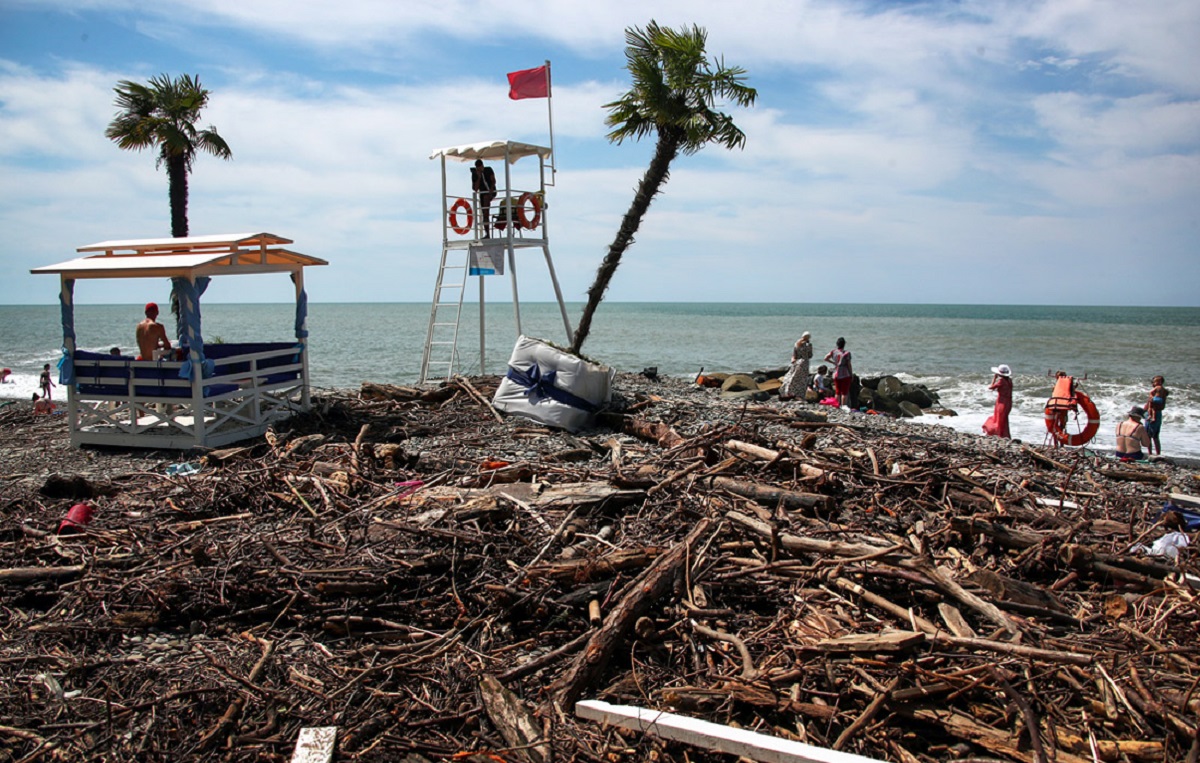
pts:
pixel 44 381
pixel 151 335
pixel 997 423
pixel 4 374
pixel 115 352
pixel 1155 402
pixel 843 372
pixel 1132 437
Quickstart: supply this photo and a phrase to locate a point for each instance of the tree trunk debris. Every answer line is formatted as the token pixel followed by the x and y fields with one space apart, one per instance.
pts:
pixel 436 582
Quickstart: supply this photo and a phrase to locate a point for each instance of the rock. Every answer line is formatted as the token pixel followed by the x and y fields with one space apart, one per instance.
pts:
pixel 909 410
pixel 770 385
pixel 772 373
pixel 890 386
pixel 916 394
pixel 739 383
pixel 71 487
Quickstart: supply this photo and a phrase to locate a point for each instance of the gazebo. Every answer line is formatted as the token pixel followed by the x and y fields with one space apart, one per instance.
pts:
pixel 206 395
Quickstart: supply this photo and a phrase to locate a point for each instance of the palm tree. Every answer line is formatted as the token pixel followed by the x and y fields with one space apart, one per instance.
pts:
pixel 674 93
pixel 163 115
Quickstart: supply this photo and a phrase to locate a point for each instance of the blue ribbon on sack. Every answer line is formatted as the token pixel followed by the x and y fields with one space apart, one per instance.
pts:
pixel 540 386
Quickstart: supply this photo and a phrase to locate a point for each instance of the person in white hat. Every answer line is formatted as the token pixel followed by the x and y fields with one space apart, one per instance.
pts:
pixel 795 382
pixel 997 423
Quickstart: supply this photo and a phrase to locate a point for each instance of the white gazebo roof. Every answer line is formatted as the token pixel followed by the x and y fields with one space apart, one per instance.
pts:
pixel 221 254
pixel 494 150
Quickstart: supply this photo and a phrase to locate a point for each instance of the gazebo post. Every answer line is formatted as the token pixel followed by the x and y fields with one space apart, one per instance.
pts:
pixel 66 298
pixel 302 332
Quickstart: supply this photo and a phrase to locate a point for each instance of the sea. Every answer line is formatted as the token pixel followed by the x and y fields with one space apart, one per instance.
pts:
pixel 1113 351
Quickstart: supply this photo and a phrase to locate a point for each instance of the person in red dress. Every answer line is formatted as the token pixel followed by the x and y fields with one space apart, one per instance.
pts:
pixel 997 424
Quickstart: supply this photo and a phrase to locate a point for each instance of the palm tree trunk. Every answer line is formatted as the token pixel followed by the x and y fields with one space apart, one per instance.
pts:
pixel 657 173
pixel 177 178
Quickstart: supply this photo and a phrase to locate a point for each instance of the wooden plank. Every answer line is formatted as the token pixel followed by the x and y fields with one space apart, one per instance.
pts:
pixel 1185 501
pixel 870 643
pixel 315 744
pixel 711 736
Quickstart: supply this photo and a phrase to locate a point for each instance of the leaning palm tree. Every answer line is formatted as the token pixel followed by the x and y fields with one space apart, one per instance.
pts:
pixel 162 115
pixel 674 94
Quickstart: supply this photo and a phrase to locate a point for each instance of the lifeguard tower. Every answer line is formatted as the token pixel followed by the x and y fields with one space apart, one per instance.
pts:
pixel 206 395
pixel 482 241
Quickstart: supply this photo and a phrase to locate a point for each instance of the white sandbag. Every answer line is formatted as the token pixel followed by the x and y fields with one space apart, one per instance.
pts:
pixel 553 387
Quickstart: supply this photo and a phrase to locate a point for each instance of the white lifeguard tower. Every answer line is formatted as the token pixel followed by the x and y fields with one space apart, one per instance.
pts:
pixel 214 394
pixel 481 241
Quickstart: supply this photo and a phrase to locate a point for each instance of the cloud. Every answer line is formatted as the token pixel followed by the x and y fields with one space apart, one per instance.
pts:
pixel 937 152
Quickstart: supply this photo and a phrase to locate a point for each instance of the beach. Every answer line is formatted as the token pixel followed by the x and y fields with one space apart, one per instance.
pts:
pixel 394 564
pixel 949 348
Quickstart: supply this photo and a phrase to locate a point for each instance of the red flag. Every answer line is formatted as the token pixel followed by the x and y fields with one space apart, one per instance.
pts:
pixel 529 83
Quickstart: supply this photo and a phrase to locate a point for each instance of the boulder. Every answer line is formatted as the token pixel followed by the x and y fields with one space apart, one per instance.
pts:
pixel 890 386
pixel 771 373
pixel 711 380
pixel 909 410
pixel 770 385
pixel 876 400
pixel 739 383
pixel 917 394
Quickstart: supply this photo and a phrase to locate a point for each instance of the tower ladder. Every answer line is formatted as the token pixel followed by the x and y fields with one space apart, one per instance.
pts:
pixel 441 340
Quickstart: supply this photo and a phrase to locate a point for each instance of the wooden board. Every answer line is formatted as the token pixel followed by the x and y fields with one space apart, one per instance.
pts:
pixel 712 736
pixel 315 744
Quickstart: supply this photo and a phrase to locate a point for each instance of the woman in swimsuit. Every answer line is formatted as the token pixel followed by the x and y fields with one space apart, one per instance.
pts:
pixel 1155 403
pixel 1131 436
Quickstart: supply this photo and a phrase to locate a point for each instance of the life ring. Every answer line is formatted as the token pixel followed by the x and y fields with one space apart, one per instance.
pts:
pixel 461 205
pixel 529 223
pixel 1056 421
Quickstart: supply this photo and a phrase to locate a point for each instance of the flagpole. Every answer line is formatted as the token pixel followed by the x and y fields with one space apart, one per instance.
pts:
pixel 550 115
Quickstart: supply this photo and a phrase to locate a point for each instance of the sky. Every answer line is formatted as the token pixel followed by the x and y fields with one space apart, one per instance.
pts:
pixel 899 152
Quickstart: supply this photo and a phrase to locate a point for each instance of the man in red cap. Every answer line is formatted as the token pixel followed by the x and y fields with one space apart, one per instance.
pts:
pixel 151 335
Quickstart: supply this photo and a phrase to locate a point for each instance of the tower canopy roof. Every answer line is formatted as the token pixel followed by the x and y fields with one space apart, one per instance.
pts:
pixel 493 150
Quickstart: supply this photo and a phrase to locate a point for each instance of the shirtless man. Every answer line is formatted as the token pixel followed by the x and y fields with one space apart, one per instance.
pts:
pixel 149 333
pixel 1131 436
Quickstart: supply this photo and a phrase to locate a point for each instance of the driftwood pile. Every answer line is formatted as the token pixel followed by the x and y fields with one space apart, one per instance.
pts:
pixel 439 583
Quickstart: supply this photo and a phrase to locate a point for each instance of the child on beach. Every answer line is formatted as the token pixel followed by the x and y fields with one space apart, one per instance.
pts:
pixel 1155 403
pixel 42 404
pixel 45 382
pixel 820 383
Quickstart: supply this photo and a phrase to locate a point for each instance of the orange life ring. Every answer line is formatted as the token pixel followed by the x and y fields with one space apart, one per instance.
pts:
pixel 529 223
pixel 1056 421
pixel 461 205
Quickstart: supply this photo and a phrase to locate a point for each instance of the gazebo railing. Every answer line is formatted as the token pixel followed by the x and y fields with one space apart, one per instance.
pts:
pixel 120 401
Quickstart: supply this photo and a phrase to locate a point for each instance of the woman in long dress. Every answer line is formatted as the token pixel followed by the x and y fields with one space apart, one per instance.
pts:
pixel 795 382
pixel 997 424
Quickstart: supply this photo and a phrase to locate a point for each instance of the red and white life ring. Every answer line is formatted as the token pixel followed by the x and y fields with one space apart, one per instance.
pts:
pixel 529 223
pixel 461 205
pixel 1056 422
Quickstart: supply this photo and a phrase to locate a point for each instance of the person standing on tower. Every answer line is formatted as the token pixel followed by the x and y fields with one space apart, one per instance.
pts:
pixel 483 183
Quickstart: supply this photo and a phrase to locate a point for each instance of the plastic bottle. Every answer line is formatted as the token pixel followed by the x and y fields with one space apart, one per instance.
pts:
pixel 182 470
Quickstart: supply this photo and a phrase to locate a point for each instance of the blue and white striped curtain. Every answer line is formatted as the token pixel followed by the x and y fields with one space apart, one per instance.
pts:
pixel 66 304
pixel 188 293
